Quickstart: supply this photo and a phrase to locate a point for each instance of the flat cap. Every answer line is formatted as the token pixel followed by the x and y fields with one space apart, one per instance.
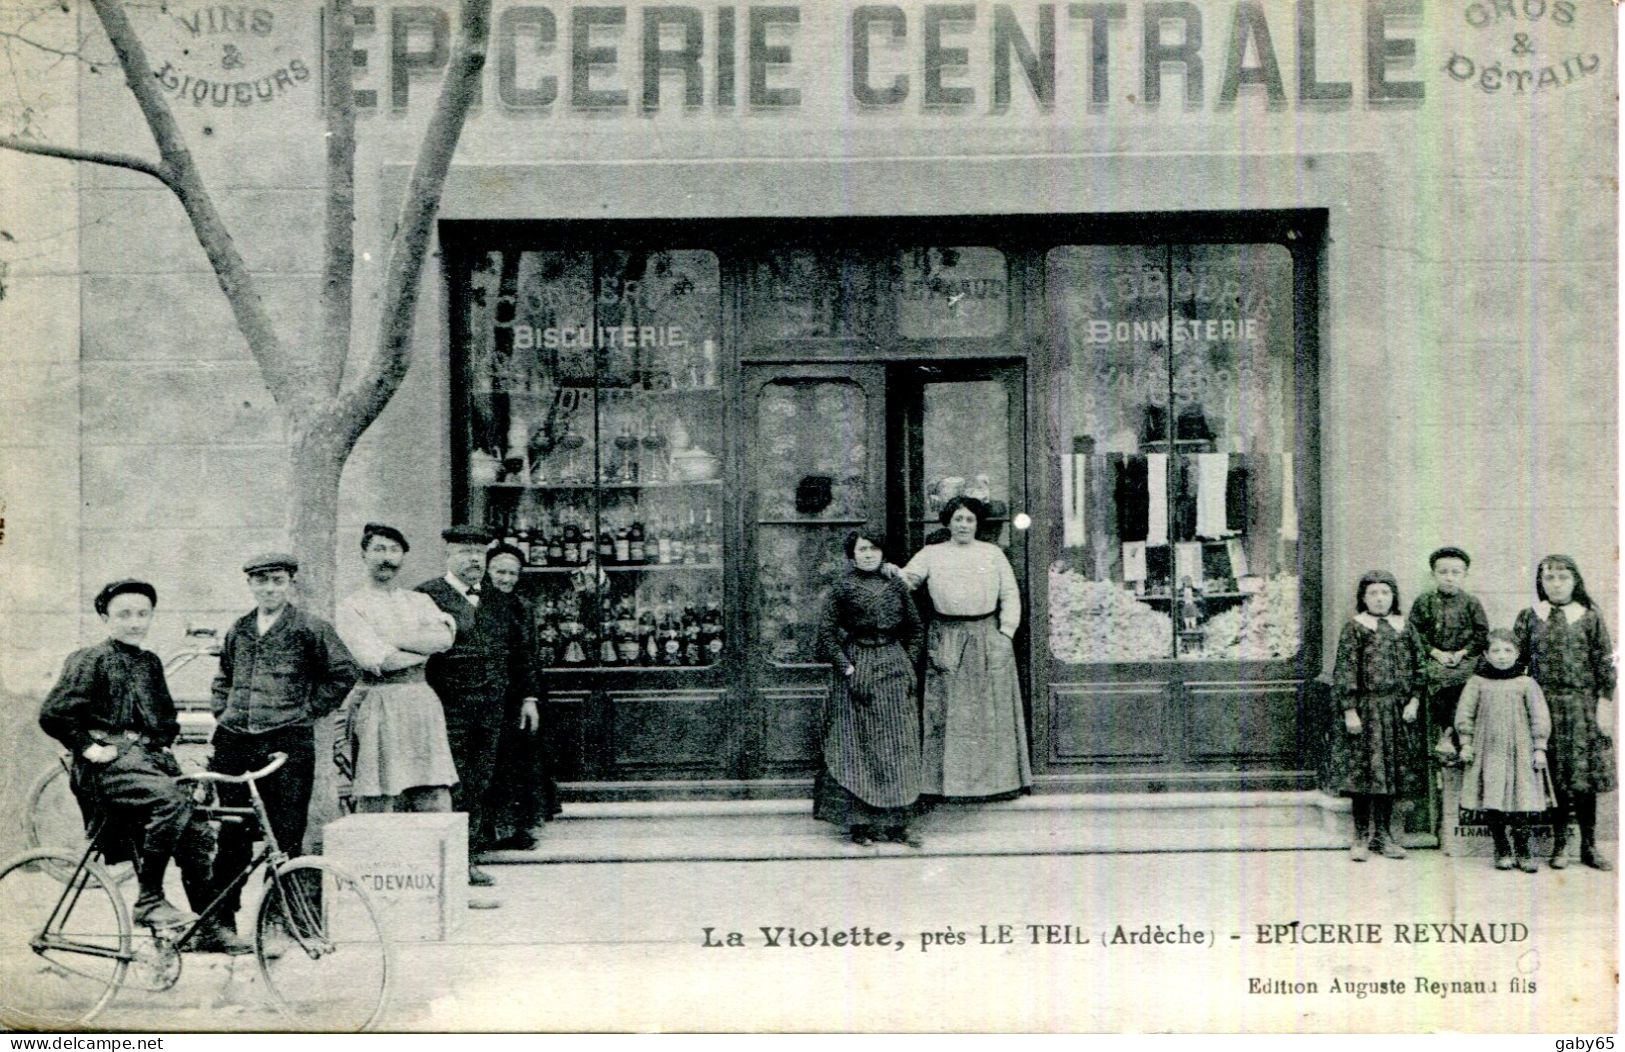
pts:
pixel 1449 552
pixel 465 534
pixel 115 589
pixel 388 533
pixel 271 561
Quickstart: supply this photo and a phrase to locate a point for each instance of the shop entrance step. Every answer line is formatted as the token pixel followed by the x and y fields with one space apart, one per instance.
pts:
pixel 1082 823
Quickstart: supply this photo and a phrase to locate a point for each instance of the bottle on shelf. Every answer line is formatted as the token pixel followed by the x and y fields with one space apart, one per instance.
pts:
pixel 671 639
pixel 709 363
pixel 662 543
pixel 538 544
pixel 693 653
pixel 636 552
pixel 547 635
pixel 570 634
pixel 518 533
pixel 609 652
pixel 654 452
pixel 711 632
pixel 695 377
pixel 679 546
pixel 710 546
pixel 626 633
pixel 606 546
pixel 555 544
pixel 572 543
pixel 623 545
pixel 627 443
pixel 648 638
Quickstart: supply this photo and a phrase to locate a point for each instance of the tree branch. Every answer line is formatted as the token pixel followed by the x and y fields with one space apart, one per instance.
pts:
pixel 73 153
pixel 365 396
pixel 236 282
pixel 338 238
pixel 48 49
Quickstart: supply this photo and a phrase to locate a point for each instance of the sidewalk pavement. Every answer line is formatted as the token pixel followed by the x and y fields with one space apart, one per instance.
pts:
pixel 622 946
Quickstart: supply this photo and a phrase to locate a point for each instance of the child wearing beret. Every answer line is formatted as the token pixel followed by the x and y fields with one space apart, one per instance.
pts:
pixel 112 709
pixel 1452 629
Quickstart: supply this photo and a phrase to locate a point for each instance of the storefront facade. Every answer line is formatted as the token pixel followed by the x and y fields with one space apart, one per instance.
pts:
pixel 1216 307
pixel 683 487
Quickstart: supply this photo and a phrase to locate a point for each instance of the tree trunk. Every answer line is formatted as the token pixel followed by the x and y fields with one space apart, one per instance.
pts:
pixel 315 463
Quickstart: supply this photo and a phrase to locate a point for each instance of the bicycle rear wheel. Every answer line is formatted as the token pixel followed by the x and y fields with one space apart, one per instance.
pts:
pixel 52 819
pixel 321 947
pixel 58 975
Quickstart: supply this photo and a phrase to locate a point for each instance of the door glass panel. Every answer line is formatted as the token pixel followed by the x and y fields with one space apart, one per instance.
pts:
pixel 809 294
pixel 1109 439
pixel 812 486
pixel 946 292
pixel 965 432
pixel 1235 517
pixel 795 567
pixel 811 435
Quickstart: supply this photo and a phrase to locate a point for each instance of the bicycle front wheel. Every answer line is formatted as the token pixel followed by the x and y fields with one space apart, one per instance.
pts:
pixel 321 947
pixel 64 943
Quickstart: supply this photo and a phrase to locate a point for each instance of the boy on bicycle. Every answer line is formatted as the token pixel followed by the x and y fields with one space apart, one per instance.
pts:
pixel 111 708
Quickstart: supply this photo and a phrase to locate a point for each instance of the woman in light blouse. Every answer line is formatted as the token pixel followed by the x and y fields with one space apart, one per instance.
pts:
pixel 975 738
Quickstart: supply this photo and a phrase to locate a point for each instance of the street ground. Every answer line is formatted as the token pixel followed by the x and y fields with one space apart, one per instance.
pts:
pixel 622 946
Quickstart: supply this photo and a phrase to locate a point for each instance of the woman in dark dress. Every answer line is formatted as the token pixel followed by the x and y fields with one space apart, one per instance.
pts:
pixel 1566 648
pixel 871 634
pixel 1375 755
pixel 523 792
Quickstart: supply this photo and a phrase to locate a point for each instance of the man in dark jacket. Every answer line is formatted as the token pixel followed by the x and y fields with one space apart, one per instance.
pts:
pixel 112 709
pixel 475 678
pixel 281 670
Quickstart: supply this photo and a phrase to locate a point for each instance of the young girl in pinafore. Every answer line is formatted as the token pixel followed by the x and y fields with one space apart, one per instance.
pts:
pixel 1503 725
pixel 1567 650
pixel 1375 679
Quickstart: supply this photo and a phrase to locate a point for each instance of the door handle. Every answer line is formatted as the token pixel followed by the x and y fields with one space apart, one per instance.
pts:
pixel 1022 520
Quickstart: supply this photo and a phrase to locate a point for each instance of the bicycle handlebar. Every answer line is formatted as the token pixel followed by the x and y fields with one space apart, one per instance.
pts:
pixel 277 760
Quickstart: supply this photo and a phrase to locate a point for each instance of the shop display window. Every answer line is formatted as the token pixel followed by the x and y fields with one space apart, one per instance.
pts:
pixel 593 436
pixel 1175 427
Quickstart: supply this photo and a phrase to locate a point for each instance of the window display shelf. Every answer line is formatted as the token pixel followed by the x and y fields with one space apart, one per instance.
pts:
pixel 664 568
pixel 630 669
pixel 697 484
pixel 659 392
pixel 812 522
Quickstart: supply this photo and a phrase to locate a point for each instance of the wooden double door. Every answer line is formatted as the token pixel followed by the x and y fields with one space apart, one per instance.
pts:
pixel 831 447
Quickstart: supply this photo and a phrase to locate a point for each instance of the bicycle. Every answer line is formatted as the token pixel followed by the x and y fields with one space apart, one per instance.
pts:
pixel 51 816
pixel 320 946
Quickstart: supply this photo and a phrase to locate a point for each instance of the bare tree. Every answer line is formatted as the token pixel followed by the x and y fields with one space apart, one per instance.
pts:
pixel 325 409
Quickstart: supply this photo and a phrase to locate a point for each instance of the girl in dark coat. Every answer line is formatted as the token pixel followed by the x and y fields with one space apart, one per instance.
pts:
pixel 870 632
pixel 1566 648
pixel 1375 681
